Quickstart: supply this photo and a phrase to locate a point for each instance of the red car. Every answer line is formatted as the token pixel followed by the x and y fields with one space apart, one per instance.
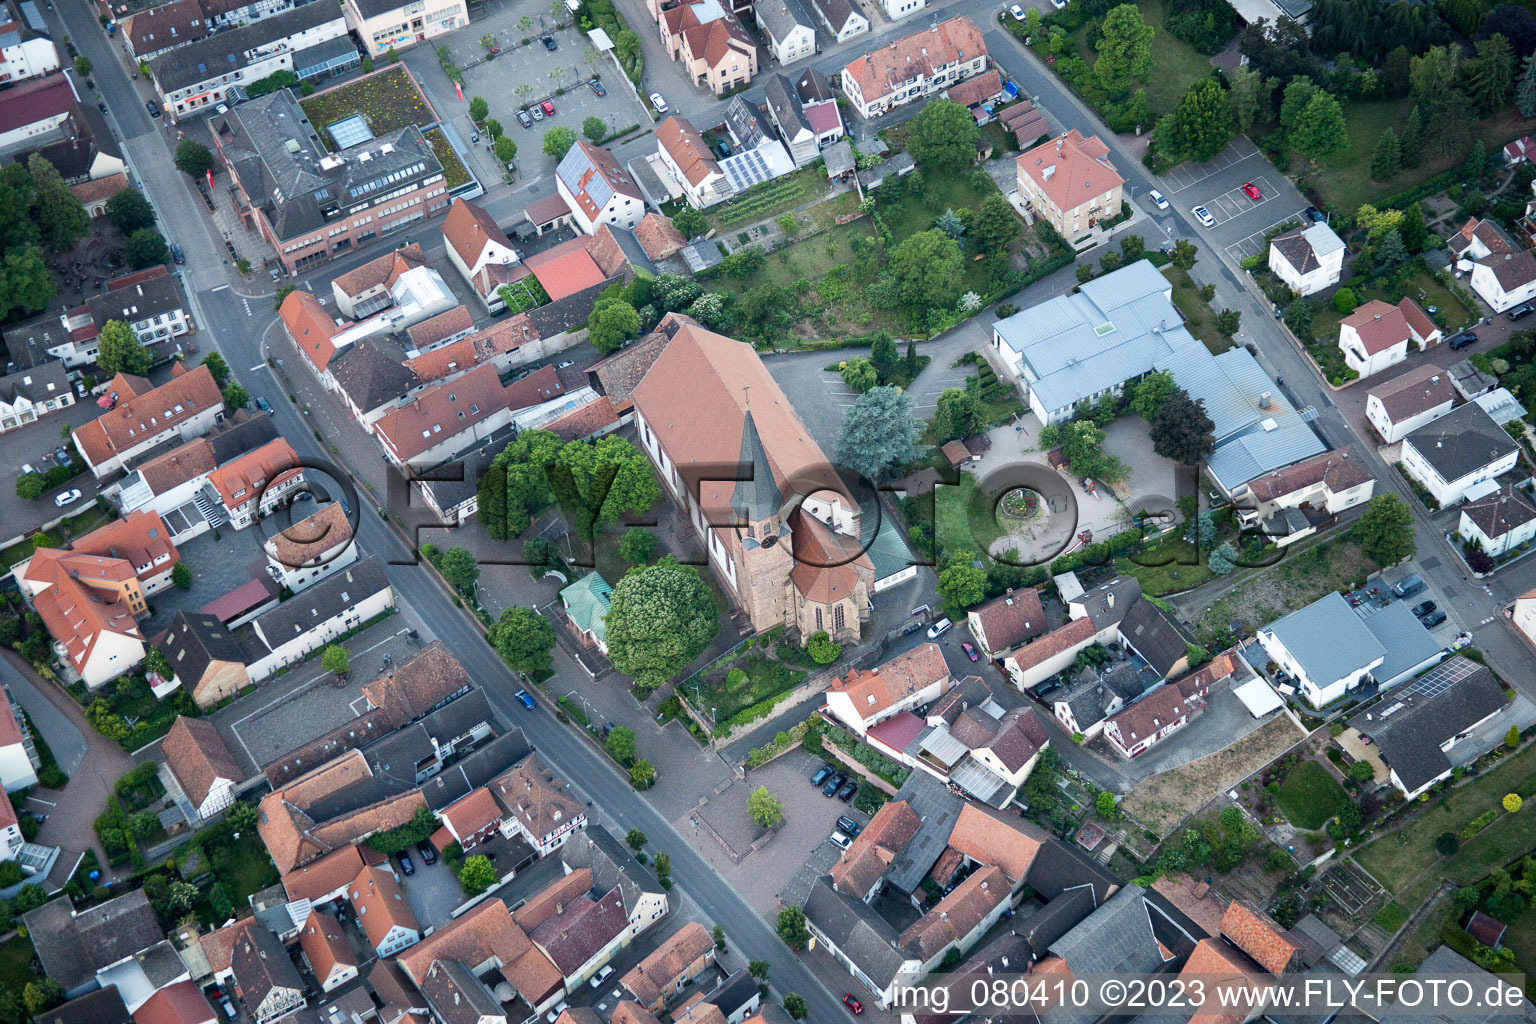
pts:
pixel 549 108
pixel 852 1004
pixel 970 652
pixel 1252 191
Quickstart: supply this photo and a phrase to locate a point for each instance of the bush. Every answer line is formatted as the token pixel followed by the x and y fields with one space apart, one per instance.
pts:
pixel 822 650
pixel 1446 844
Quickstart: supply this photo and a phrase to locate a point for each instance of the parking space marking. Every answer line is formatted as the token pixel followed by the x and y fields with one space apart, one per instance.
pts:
pixel 1254 244
pixel 1181 178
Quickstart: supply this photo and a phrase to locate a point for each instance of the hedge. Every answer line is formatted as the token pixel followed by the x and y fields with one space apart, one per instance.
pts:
pixel 759 756
pixel 1099 553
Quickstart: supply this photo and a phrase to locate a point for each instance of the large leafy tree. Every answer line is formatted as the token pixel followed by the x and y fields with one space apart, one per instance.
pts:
pixel 1249 94
pixel 146 248
pixel 994 226
pixel 942 137
pixel 1150 394
pixel 129 211
pixel 1182 430
pixel 120 351
pixel 25 281
pixel 1200 126
pixel 660 619
pixel 764 807
pixel 524 639
pixel 961 585
pixel 61 219
pixel 879 433
pixel 1124 47
pixel 610 463
pixel 1298 93
pixel 612 322
pixel 193 158
pixel 1525 91
pixel 958 415
pixel 16 193
pixel 926 270
pixel 558 141
pixel 460 569
pixel 516 483
pixel 1386 530
pixel 1320 128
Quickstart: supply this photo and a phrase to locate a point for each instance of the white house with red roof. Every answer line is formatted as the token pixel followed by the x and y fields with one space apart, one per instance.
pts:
pixel 1377 334
pixel 1408 401
pixel 1505 280
pixel 18 769
pixel 1520 150
pixel 480 251
pixel 915 66
pixel 597 190
pixel 1070 183
pixel 865 698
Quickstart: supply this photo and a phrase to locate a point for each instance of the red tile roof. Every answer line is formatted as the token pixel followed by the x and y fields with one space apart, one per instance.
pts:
pixel 468 228
pixel 648 979
pixel 442 411
pixel 1380 326
pixel 325 945
pixel 181 1003
pixel 380 904
pixel 196 755
pixel 904 675
pixel 872 851
pixel 990 839
pixel 1012 618
pixel 917 55
pixel 326 875
pixel 310 326
pixel 245 478
pixel 471 813
pixel 585 421
pixel 1257 934
pixel 658 237
pixel 1071 170
pixel 685 146
pixel 1078 631
pixel 128 425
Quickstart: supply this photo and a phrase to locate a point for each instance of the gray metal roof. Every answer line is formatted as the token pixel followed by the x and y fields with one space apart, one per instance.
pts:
pixel 1408 644
pixel 1328 639
pixel 885 549
pixel 330 597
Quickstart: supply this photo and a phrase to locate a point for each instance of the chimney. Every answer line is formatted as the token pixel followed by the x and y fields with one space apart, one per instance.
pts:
pixel 1264 400
pixel 1110 601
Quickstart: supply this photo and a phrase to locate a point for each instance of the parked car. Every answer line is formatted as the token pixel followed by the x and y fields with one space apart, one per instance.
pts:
pixel 939 628
pixel 554 1015
pixel 849 788
pixel 1315 215
pixel 68 497
pixel 1204 216
pixel 1524 309
pixel 524 119
pixel 849 826
pixel 548 108
pixel 1463 339
pixel 428 854
pixel 264 405
pixel 598 87
pixel 525 700
pixel 406 867
pixel 822 775
pixel 228 1007
pixel 833 784
pixel 1424 608
pixel 1252 191
pixel 1433 619
pixel 659 103
pixel 1408 586
pixel 152 107
pixel 848 1000
pixel 222 108
pixel 177 255
pixel 601 976
pixel 62 454
pixel 537 112
pixel 27 467
pixel 1017 12
pixel 550 44
pixel 841 841
pixel 1060 5
pixel 970 652
pixel 1157 199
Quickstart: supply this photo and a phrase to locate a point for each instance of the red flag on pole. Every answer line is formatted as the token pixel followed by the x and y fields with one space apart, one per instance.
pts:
pixel 459 88
pixel 210 179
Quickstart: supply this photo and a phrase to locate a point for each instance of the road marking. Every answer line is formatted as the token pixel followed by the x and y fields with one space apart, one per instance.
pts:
pixel 220 288
pixel 1252 245
pixel 258 366
pixel 40 800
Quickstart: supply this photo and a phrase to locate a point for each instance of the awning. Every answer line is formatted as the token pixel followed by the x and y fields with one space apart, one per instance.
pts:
pixel 1482 489
pixel 1258 697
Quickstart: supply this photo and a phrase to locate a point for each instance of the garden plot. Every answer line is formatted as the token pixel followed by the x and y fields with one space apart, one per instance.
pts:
pixel 1351 887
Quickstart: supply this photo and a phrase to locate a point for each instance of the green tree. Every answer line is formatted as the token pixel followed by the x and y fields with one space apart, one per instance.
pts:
pixel 42 994
pixel 16 195
pixel 26 283
pixel 181 576
pixel 1248 93
pixel 145 248
pixel 663 865
pixel 689 222
pixel 1228 321
pixel 1434 73
pixel 1104 806
pixel 1200 126
pixel 879 433
pixel 718 934
pixel 336 660
pixel 119 350
pixel 1525 91
pixel 958 415
pixel 524 639
pixel 792 928
pixel 558 141
pixel 758 969
pixel 586 467
pixel 594 129
pixel 505 148
pixel 1124 48
pixel 926 270
pixel 479 110
pixel 1361 771
pixel 236 397
pixel 1512 738
pixel 859 375
pixel 1184 254
pixel 129 211
pixel 1385 530
pixel 942 137
pixel 660 619
pixel 637 546
pixel 60 218
pixel 882 355
pixel 641 774
pixel 635 839
pixel 621 744
pixel 1345 301
pixel 1320 128
pixel 994 226
pixel 764 807
pixel 494 129
pixel 1295 99
pixel 1298 317
pixel 961 585
pixel 1182 431
pixel 1490 76
pixel 1388 156
pixel 193 158
pixel 30 486
pixel 612 322
pixel 477 874
pixel 821 648
pixel 460 569
pixel 1411 143
pixel 218 367
pixel 83 65
pixel 1150 394
pixel 794 1005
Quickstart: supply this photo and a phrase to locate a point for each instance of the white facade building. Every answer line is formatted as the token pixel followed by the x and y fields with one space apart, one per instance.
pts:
pixel 1308 259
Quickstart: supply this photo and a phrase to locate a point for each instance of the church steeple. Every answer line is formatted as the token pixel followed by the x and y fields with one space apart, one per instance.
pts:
pixel 759 498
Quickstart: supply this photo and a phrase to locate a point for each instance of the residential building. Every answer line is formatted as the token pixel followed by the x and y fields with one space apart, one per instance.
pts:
pixel 788 116
pixel 194 77
pixel 471 820
pixel 429 680
pixel 229 13
pixel 74 946
pixel 1307 259
pixel 1461 452
pixel 978 96
pixel 1003 623
pixel 597 190
pixel 479 251
pixel 1070 183
pixel 842 18
pixel 486 938
pixel 658 237
pixel 583 935
pixel 1324 649
pixel 684 155
pixel 257 482
pixel 148 301
pixel 202 765
pixel 382 911
pixel 19 759
pixel 325 947
pixel 536 806
pixel 28 395
pixel 443 329
pixel 456 996
pixel 77 142
pixel 610 863
pixel 178 1003
pixel 1478 239
pixel 788 28
pixel 309 551
pixel 158 29
pixel 205 658
pixel 865 698
pixel 654 981
pixel 1499 522
pixel 1411 647
pixel 805 569
pixel 145 417
pixel 1167 709
pixel 1520 150
pixel 310 203
pixel 33 110
pixel 321 881
pixel 1505 280
pixel 24 51
pixel 915 66
pixel 448 417
pixel 855 935
pixel 382 24
pixel 1410 400
pixel 265 979
pixel 586 607
pixel 1292 503
pixel 401 281
pixel 307 622
pixel 1377 335
pixel 710 44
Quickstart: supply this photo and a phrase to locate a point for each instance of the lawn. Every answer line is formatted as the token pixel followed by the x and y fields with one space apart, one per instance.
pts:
pixel 1428 292
pixel 243 865
pixel 765 678
pixel 1310 795
pixel 1198 315
pixel 388 100
pixel 1391 917
pixel 917 212
pixel 771 198
pixel 809 258
pixel 965 517
pixel 1175 64
pixel 1183 566
pixel 16 956
pixel 1398 858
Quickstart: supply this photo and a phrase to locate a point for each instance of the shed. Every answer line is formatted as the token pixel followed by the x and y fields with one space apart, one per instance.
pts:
pixel 957 453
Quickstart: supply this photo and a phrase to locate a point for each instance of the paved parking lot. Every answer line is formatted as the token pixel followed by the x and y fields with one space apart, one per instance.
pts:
pixel 220 560
pixel 1240 222
pixel 1255 243
pixel 1186 175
